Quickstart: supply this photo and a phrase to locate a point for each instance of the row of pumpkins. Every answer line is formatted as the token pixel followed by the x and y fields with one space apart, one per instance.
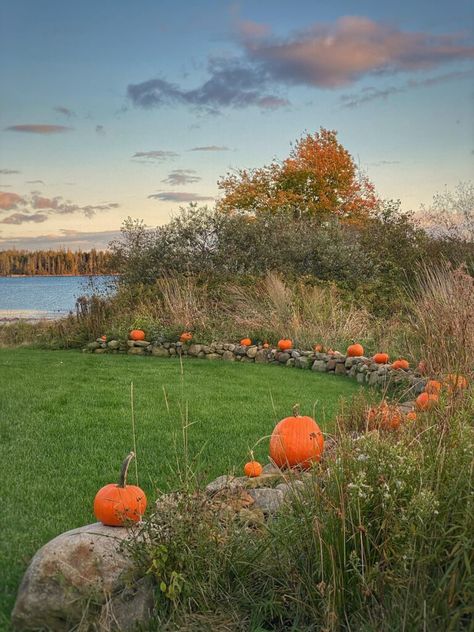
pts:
pixel 295 441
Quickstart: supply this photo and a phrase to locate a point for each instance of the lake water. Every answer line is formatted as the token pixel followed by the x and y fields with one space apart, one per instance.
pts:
pixel 49 297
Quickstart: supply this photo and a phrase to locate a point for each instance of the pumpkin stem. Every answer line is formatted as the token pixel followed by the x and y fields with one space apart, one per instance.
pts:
pixel 124 469
pixel 296 410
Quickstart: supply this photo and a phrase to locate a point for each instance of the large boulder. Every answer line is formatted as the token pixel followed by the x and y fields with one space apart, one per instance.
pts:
pixel 83 575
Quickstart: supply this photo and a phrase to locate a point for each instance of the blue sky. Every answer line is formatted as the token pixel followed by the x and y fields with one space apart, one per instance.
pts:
pixel 113 109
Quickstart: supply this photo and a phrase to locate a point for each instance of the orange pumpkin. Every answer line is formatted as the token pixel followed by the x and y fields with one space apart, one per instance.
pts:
pixel 426 401
pixel 355 350
pixel 384 416
pixel 318 348
pixel 296 440
pixel 411 416
pixel 401 364
pixel 245 342
pixel 103 338
pixel 116 505
pixel 380 358
pixel 455 382
pixel 433 387
pixel 253 469
pixel 137 334
pixel 284 344
pixel 265 345
pixel 186 336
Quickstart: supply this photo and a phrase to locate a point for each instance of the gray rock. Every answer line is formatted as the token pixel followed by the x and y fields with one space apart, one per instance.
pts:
pixel 136 351
pixel 295 354
pixel 283 357
pixel 201 354
pixel 302 362
pixel 261 356
pixel 319 365
pixel 252 351
pixel 142 343
pixel 340 369
pixel 360 377
pixel 267 499
pixel 159 352
pixel 113 344
pixel 129 608
pixel 194 350
pixel 74 568
pixel 172 351
pixel 223 482
pixel 331 365
pixel 290 362
pixel 240 350
pixel 231 347
pixel 228 356
pixel 100 350
pixel 373 378
pixel 93 345
pixel 206 349
pixel 213 356
pixel 130 343
pixel 290 488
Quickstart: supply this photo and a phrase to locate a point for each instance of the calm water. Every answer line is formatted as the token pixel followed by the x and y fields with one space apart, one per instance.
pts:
pixel 45 296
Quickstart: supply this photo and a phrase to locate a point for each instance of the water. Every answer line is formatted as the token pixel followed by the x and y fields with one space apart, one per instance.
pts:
pixel 49 297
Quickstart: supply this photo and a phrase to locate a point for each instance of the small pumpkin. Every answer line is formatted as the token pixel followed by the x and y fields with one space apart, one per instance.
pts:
pixel 296 441
pixel 284 344
pixel 380 358
pixel 318 348
pixel 246 342
pixel 426 401
pixel 137 334
pixel 355 350
pixel 103 338
pixel 115 505
pixel 433 387
pixel 186 336
pixel 411 416
pixel 252 469
pixel 384 416
pixel 265 345
pixel 401 363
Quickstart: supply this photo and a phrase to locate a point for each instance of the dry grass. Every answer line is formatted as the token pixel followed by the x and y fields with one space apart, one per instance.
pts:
pixel 442 320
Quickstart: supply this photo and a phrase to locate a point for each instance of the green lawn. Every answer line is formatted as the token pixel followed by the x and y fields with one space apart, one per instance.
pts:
pixel 65 426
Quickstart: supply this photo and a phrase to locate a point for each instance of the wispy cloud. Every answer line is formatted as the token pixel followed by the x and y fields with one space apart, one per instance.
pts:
pixel 74 239
pixel 24 218
pixel 210 148
pixel 68 113
pixel 337 54
pixel 9 201
pixel 100 129
pixel 157 154
pixel 8 172
pixel 232 83
pixel 373 94
pixel 180 177
pixel 179 196
pixel 34 182
pixel 39 129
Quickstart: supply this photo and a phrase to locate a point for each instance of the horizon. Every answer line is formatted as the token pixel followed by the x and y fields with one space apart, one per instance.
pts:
pixel 116 110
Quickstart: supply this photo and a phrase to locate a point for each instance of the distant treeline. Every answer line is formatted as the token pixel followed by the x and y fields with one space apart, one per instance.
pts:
pixel 54 262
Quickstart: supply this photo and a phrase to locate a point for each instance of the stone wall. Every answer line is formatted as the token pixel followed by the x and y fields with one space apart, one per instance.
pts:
pixel 363 369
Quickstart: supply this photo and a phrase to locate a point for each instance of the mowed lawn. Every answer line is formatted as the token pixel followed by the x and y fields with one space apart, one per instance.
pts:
pixel 65 426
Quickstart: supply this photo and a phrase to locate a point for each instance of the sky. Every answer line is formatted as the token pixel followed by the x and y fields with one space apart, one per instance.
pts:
pixel 113 109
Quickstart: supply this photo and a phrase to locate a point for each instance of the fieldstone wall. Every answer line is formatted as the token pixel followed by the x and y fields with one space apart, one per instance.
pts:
pixel 363 369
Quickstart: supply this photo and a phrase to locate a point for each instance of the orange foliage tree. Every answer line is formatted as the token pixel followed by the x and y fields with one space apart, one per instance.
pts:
pixel 318 179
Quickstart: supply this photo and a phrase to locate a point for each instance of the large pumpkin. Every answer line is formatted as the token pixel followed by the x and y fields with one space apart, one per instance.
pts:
pixel 115 505
pixel 137 334
pixel 400 364
pixel 355 350
pixel 380 358
pixel 296 440
pixel 284 344
pixel 246 342
pixel 186 336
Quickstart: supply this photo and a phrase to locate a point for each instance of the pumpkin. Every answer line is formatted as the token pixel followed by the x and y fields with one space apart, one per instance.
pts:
pixel 115 505
pixel 318 348
pixel 186 336
pixel 380 358
pixel 433 387
pixel 425 401
pixel 284 344
pixel 253 469
pixel 103 338
pixel 455 382
pixel 265 345
pixel 411 416
pixel 296 440
pixel 355 350
pixel 137 334
pixel 384 416
pixel 245 342
pixel 400 364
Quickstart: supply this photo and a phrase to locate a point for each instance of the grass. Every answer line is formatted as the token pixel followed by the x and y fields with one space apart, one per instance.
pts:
pixel 66 426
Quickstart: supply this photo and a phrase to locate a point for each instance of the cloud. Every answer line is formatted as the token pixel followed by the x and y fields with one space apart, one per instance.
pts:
pixel 47 207
pixel 210 148
pixel 39 129
pixel 34 182
pixel 154 155
pixel 8 172
pixel 179 177
pixel 334 55
pixel 9 201
pixel 232 83
pixel 179 196
pixel 22 218
pixel 372 94
pixel 65 238
pixel 65 111
pixel 100 129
